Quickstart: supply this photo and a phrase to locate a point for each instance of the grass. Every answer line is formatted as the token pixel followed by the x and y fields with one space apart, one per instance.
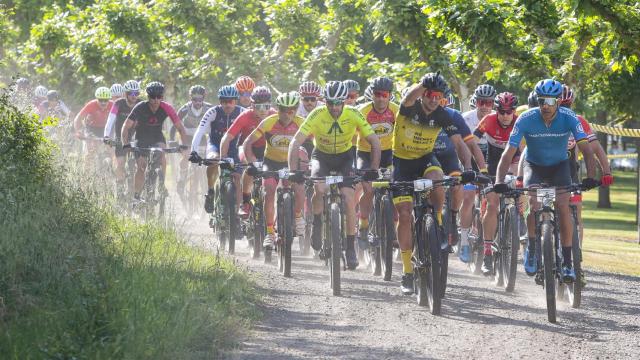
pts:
pixel 80 280
pixel 611 235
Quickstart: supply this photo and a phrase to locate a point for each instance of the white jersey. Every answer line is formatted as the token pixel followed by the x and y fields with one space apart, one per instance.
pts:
pixel 302 112
pixel 471 118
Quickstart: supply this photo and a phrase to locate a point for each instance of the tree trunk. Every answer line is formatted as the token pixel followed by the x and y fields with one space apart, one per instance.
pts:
pixel 604 198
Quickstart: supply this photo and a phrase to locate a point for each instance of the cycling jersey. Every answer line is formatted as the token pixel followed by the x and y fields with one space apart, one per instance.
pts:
pixel 95 116
pixel 332 136
pixel 118 114
pixel 302 112
pixel 381 123
pixel 547 145
pixel 277 136
pixel 587 130
pixel 471 118
pixel 191 117
pixel 415 132
pixel 61 111
pixel 244 125
pixel 216 122
pixel 149 124
pixel 497 139
pixel 443 142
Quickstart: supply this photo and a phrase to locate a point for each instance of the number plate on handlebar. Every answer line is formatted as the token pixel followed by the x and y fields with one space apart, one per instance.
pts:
pixel 333 180
pixel 422 184
pixel 546 195
pixel 283 174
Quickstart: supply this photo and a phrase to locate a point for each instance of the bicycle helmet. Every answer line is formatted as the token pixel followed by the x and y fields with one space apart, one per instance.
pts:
pixel 22 82
pixel 505 101
pixel 40 91
pixel 310 88
pixel 549 88
pixel 154 89
pixel 381 83
pixel 472 102
pixel 335 90
pixel 131 85
pixel 261 94
pixel 485 91
pixel 435 81
pixel 351 85
pixel 567 97
pixel 117 90
pixel 52 95
pixel 451 100
pixel 368 93
pixel 103 93
pixel 288 99
pixel 197 90
pixel 228 92
pixel 532 100
pixel 245 84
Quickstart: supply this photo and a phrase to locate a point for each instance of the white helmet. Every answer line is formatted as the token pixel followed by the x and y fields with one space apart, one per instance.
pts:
pixel 335 90
pixel 117 90
pixel 40 91
pixel 131 85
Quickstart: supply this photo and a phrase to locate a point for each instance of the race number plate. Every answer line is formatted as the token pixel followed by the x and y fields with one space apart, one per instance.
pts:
pixel 333 180
pixel 546 195
pixel 422 184
pixel 283 174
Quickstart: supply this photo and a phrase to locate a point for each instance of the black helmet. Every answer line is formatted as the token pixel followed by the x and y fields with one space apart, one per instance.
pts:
pixel 382 83
pixel 197 90
pixel 52 95
pixel 532 99
pixel 434 81
pixel 155 88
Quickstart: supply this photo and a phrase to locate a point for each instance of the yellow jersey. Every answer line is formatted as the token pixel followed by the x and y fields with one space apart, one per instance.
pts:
pixel 332 136
pixel 277 136
pixel 381 123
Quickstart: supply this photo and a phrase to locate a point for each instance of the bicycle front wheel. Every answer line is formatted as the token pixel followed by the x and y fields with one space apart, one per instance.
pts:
pixel 336 248
pixel 512 242
pixel 232 217
pixel 549 269
pixel 287 232
pixel 574 290
pixel 428 276
pixel 387 236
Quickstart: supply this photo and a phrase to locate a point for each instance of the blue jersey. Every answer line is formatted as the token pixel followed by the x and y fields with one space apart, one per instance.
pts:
pixel 546 145
pixel 443 143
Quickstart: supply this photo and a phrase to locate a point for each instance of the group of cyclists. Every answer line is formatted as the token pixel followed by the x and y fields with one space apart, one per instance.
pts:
pixel 333 129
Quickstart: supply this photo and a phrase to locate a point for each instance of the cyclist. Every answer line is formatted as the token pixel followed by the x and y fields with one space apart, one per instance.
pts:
pixel 40 95
pixel 419 121
pixel 54 107
pixel 353 92
pixel 240 130
pixel 546 130
pixel 310 94
pixel 21 97
pixel 277 130
pixel 191 114
pixel 91 120
pixel 447 155
pixel 380 113
pixel 472 102
pixel 245 86
pixel 147 117
pixel 497 128
pixel 333 127
pixel 117 92
pixel 216 121
pixel 117 116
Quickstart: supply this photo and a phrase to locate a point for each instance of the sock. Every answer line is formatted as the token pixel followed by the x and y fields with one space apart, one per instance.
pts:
pixel 566 256
pixel 487 247
pixel 351 242
pixel 464 236
pixel 407 267
pixel 270 229
pixel 364 223
pixel 532 245
pixel 439 217
pixel 246 198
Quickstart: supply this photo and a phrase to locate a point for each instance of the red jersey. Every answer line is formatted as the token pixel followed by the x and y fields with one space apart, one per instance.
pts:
pixel 244 124
pixel 95 116
pixel 497 135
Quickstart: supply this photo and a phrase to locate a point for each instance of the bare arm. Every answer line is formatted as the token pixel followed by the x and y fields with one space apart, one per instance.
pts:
pixel 461 149
pixel 472 144
pixel 224 144
pixel 505 162
pixel 589 159
pixel 183 132
pixel 247 146
pixel 602 156
pixel 124 134
pixel 414 93
pixel 298 140
pixel 375 151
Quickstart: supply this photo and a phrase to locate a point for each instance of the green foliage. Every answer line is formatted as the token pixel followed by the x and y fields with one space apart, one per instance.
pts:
pixel 78 281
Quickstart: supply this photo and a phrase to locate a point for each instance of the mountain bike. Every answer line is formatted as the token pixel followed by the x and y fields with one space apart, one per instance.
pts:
pixel 475 234
pixel 253 227
pixel 382 230
pixel 285 223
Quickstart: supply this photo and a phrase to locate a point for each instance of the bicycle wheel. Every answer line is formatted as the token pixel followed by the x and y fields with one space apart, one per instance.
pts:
pixel 477 254
pixel 574 290
pixel 287 222
pixel 257 224
pixel 305 241
pixel 232 218
pixel 388 234
pixel 510 254
pixel 500 244
pixel 377 231
pixel 336 248
pixel 549 269
pixel 428 276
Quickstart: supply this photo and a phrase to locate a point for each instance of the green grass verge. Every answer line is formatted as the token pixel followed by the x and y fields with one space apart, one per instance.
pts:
pixel 77 280
pixel 611 235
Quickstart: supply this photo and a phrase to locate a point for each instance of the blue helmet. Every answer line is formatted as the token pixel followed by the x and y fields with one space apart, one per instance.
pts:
pixel 548 87
pixel 228 92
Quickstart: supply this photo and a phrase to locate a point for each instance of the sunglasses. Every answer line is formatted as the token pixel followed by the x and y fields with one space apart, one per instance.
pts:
pixel 505 112
pixel 156 97
pixel 484 102
pixel 287 109
pixel 335 102
pixel 432 94
pixel 103 102
pixel 381 94
pixel 266 106
pixel 227 101
pixel 133 93
pixel 310 99
pixel 197 99
pixel 352 96
pixel 547 101
pixel 245 93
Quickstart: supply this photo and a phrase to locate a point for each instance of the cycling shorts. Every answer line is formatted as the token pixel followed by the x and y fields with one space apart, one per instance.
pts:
pixel 554 175
pixel 364 159
pixel 409 170
pixel 323 164
pixel 449 162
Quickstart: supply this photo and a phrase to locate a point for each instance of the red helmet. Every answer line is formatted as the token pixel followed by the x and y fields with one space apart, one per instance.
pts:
pixel 245 84
pixel 567 96
pixel 505 101
pixel 309 88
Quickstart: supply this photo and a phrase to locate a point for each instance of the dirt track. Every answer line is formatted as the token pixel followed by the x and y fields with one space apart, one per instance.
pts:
pixel 373 320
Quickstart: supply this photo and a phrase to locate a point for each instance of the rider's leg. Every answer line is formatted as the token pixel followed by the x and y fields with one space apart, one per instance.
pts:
pixel 141 165
pixel 490 221
pixel 270 186
pixel 437 195
pixel 566 225
pixel 466 214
